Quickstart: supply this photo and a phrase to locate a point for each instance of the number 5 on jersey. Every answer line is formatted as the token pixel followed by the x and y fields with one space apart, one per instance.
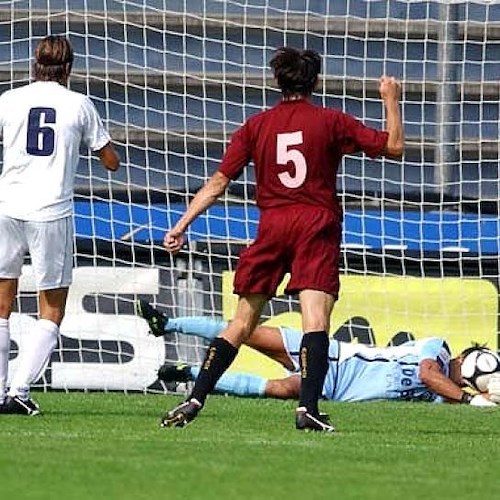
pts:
pixel 286 153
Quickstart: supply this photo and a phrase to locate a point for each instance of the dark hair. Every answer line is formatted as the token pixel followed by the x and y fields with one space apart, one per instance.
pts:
pixel 475 347
pixel 53 59
pixel 296 71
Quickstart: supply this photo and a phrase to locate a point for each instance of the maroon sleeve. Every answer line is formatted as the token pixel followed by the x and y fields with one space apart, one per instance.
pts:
pixel 358 137
pixel 238 153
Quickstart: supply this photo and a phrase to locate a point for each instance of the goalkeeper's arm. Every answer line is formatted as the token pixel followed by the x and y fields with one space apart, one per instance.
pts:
pixel 433 378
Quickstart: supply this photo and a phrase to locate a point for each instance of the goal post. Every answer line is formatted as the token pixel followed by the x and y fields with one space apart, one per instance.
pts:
pixel 173 79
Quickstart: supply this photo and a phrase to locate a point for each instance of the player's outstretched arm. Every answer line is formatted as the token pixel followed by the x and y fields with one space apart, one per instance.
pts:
pixel 431 376
pixel 109 157
pixel 205 197
pixel 390 92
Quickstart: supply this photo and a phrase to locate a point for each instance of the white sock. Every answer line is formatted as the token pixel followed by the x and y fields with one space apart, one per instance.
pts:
pixel 34 357
pixel 4 356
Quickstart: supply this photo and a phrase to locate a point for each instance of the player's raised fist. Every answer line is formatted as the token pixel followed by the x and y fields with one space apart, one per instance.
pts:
pixel 389 87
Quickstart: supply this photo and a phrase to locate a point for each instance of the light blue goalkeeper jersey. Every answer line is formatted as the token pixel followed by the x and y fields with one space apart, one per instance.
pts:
pixel 356 372
pixel 361 373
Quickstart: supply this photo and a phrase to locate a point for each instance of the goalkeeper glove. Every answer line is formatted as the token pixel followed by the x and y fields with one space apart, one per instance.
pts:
pixel 480 400
pixel 494 387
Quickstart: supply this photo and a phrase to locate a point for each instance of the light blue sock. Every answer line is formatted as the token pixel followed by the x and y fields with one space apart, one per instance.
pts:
pixel 238 384
pixel 200 326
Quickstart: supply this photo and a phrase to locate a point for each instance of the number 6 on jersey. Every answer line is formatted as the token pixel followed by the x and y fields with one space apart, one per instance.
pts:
pixel 37 131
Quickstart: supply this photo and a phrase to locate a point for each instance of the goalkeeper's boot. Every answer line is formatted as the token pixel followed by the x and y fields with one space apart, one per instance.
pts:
pixel 169 372
pixel 182 414
pixel 156 320
pixel 306 421
pixel 13 405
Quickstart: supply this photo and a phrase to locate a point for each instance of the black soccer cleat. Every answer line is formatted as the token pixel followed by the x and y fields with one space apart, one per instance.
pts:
pixel 305 421
pixel 169 372
pixel 156 320
pixel 325 418
pixel 13 405
pixel 182 414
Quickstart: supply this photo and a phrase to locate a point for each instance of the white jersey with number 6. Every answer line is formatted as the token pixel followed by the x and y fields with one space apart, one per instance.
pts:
pixel 43 125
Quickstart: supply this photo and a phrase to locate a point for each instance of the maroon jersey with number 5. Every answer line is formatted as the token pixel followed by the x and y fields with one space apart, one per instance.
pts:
pixel 296 148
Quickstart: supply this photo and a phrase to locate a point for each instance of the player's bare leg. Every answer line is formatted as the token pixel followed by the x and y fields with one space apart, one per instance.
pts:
pixel 52 304
pixel 268 341
pixel 220 354
pixel 283 388
pixel 8 290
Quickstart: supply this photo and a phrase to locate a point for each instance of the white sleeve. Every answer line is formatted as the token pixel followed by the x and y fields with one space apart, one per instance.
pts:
pixel 3 109
pixel 435 348
pixel 94 134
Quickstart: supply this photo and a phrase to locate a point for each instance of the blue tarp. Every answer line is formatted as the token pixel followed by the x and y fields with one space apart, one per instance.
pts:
pixel 374 229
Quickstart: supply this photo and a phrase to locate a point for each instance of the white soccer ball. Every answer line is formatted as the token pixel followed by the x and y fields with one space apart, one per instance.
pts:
pixel 477 368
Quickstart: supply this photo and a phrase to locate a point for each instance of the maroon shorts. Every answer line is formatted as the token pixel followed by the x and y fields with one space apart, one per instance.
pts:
pixel 301 240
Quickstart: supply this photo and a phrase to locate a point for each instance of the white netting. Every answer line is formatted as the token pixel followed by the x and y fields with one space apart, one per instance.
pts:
pixel 173 79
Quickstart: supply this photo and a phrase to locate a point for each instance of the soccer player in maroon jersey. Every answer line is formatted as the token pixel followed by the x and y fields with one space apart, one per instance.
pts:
pixel 296 147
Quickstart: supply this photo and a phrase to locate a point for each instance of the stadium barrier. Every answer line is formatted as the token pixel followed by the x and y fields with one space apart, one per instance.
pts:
pixel 105 346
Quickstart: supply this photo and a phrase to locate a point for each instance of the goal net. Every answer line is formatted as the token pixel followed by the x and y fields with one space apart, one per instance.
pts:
pixel 173 79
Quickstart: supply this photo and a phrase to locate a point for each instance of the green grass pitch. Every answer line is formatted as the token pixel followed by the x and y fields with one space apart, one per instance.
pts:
pixel 110 446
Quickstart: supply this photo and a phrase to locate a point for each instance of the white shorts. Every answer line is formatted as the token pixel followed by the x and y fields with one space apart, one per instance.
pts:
pixel 50 245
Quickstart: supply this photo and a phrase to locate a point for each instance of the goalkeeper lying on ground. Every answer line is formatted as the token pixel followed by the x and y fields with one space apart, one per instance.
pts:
pixel 420 370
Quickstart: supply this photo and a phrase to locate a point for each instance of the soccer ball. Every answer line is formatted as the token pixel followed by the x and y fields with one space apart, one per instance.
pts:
pixel 477 368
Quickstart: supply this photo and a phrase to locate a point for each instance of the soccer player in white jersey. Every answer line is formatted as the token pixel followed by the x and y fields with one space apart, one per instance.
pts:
pixel 420 370
pixel 43 125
